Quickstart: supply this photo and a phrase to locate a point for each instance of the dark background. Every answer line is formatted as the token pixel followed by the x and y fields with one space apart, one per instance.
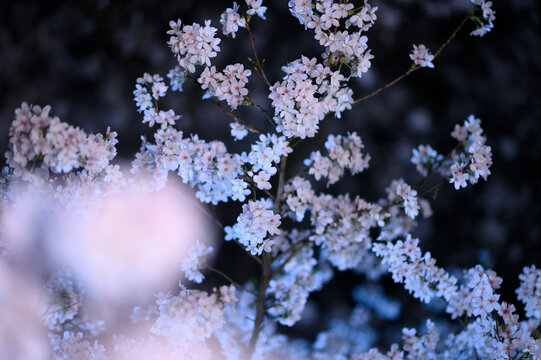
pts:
pixel 83 57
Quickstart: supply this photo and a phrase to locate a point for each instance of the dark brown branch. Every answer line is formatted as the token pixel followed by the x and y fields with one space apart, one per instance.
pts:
pixel 249 126
pixel 259 65
pixel 260 305
pixel 437 53
pixel 265 112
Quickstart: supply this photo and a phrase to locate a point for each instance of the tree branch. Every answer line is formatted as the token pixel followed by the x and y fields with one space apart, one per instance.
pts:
pixel 249 126
pixel 259 66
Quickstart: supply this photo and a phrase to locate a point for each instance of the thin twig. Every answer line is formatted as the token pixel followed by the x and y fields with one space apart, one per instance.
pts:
pixel 299 173
pixel 259 66
pixel 268 307
pixel 250 127
pixel 436 166
pixel 433 188
pixel 291 256
pixel 225 276
pixel 453 35
pixel 64 308
pixel 254 187
pixel 265 112
pixel 415 67
pixel 374 93
pixel 297 142
pixel 292 248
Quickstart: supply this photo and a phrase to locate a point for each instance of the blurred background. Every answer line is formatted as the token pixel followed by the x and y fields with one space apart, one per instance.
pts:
pixel 83 57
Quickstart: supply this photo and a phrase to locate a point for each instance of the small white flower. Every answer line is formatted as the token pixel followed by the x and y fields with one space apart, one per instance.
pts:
pixel 191 265
pixel 421 56
pixel 159 89
pixel 256 8
pixel 459 176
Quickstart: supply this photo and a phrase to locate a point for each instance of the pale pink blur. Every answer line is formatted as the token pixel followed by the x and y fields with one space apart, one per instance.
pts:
pixel 129 245
pixel 22 334
pixel 119 247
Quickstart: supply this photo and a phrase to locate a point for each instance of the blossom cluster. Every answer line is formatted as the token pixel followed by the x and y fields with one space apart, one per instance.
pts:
pixel 293 285
pixel 484 23
pixel 193 262
pixel 189 318
pixel 421 56
pixel 217 174
pixel 402 192
pixel 254 224
pixel 426 159
pixel 477 296
pixel 419 273
pixel 344 153
pixel 529 291
pixel 70 334
pixel 264 154
pixel 73 345
pixel 397 223
pixel 207 166
pixel 307 93
pixel 346 337
pixel 477 159
pixel 176 77
pixel 231 20
pixel 420 346
pixel 148 90
pixel 181 325
pixel 299 197
pixel 238 131
pixel 229 85
pixel 66 300
pixel 494 333
pixel 327 18
pixel 193 44
pixel 341 226
pixel 471 164
pixel 325 212
pixel 48 145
